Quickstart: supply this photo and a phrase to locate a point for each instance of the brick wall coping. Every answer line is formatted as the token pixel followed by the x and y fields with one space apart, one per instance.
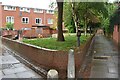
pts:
pixel 31 45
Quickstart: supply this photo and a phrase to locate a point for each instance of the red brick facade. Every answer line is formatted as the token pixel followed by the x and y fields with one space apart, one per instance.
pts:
pixel 116 34
pixel 17 14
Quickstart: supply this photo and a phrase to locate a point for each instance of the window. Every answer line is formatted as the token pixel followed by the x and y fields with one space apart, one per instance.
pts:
pixel 50 21
pixel 25 9
pixel 38 21
pixel 38 10
pixel 11 8
pixel 10 19
pixel 21 9
pixel 50 11
pixel 25 20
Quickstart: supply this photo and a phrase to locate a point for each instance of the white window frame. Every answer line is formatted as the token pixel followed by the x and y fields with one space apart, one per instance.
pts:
pixel 10 8
pixel 39 19
pixel 24 9
pixel 11 20
pixel 49 11
pixel 38 10
pixel 51 22
pixel 25 21
pixel 21 9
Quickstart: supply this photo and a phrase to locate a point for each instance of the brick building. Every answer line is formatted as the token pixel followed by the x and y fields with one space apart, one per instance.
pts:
pixel 36 20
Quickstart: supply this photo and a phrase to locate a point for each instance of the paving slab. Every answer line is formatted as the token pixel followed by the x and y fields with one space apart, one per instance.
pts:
pixel 104 68
pixel 7 66
pixel 110 64
pixel 112 76
pixel 99 62
pixel 0 60
pixel 9 59
pixel 18 65
pixel 13 68
pixel 0 72
pixel 100 68
pixel 10 76
pixel 27 74
pixel 113 70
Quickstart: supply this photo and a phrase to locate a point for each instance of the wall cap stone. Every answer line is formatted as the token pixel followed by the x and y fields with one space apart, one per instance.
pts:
pixel 30 45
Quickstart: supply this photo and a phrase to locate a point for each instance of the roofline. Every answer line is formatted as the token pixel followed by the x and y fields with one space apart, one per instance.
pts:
pixel 25 7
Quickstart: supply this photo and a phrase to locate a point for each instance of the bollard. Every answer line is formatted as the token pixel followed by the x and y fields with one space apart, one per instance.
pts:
pixel 52 74
pixel 71 64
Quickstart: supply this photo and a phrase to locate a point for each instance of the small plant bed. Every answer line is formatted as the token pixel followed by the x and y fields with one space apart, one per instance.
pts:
pixel 52 43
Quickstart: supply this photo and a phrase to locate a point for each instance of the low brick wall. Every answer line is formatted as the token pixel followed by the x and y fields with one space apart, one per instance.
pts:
pixel 9 32
pixel 47 58
pixel 38 55
pixel 115 34
pixel 46 32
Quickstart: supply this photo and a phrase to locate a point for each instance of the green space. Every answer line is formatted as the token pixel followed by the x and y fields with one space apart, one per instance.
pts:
pixel 52 43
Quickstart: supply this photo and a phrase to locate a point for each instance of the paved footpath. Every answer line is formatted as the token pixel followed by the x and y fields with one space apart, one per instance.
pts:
pixel 105 59
pixel 10 67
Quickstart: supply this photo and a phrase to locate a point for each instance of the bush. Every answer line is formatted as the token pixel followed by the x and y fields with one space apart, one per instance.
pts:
pixel 71 29
pixel 9 26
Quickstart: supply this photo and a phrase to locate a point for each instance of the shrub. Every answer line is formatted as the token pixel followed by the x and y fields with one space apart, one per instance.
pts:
pixel 9 26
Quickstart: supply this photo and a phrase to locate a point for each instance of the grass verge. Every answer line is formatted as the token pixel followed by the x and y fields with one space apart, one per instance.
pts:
pixel 51 43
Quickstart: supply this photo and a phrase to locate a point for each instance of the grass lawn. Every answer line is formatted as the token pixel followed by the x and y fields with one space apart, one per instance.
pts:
pixel 51 43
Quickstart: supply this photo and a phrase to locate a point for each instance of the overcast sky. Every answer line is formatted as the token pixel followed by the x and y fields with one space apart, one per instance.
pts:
pixel 43 4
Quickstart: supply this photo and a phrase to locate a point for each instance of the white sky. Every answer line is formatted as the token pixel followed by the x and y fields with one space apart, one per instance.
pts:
pixel 43 4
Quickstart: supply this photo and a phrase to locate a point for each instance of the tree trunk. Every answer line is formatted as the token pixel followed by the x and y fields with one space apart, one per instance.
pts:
pixel 85 29
pixel 85 21
pixel 60 36
pixel 74 15
pixel 85 24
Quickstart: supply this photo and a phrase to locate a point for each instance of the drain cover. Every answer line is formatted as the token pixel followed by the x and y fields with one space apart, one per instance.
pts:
pixel 101 57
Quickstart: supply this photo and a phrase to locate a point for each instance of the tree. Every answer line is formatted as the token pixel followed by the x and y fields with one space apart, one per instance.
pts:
pixel 68 19
pixel 9 26
pixel 84 12
pixel 60 20
pixel 90 12
pixel 106 21
pixel 114 20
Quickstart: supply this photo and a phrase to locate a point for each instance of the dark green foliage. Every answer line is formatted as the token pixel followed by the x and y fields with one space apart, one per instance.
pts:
pixel 107 22
pixel 85 12
pixel 71 29
pixel 94 25
pixel 114 20
pixel 68 19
